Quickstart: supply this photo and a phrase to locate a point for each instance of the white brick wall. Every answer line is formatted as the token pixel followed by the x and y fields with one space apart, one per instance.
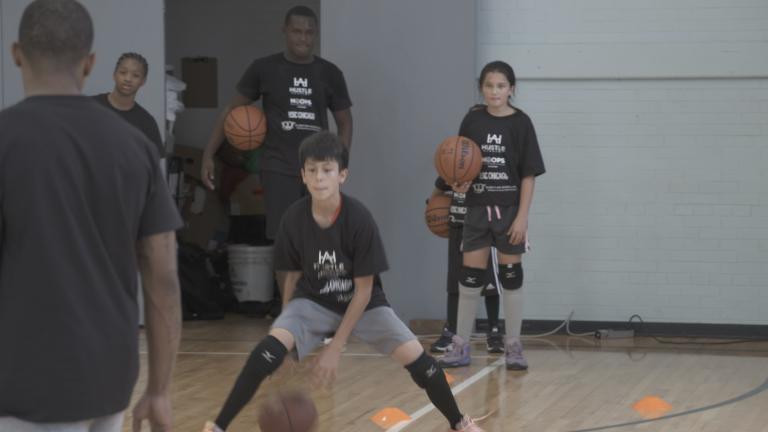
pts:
pixel 653 120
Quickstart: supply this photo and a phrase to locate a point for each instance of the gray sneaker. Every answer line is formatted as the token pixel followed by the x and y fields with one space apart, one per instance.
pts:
pixel 458 355
pixel 514 356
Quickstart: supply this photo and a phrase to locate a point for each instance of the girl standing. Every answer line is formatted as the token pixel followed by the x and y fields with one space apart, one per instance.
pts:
pixel 498 203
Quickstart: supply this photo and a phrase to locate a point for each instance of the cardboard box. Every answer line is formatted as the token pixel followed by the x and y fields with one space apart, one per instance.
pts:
pixel 191 160
pixel 201 76
pixel 204 216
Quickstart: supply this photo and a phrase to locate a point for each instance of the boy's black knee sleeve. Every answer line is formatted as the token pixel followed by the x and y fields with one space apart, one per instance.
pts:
pixel 267 357
pixel 263 361
pixel 424 369
pixel 471 277
pixel 511 276
pixel 428 374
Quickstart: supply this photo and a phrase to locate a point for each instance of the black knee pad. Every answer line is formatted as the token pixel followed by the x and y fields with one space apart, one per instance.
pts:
pixel 471 277
pixel 267 357
pixel 424 370
pixel 511 276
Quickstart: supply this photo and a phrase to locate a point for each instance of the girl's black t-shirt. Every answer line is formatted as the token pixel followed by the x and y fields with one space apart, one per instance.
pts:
pixel 510 152
pixel 139 118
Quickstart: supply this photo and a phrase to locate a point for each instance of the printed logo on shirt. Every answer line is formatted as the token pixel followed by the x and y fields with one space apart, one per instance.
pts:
pixel 501 188
pixel 338 283
pixel 458 209
pixel 326 258
pixel 493 139
pixel 301 103
pixel 478 188
pixel 300 87
pixel 288 125
pixel 301 115
pixel 300 82
pixel 492 148
pixel 493 176
pixel 310 128
pixel 492 160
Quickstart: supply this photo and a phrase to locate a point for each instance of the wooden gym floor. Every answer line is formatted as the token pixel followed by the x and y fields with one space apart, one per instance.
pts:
pixel 574 384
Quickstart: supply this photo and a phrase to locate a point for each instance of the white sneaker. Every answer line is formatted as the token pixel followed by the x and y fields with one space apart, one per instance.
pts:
pixel 211 427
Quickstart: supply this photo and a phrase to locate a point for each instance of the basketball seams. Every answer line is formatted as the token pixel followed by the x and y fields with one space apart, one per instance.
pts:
pixel 234 119
pixel 472 143
pixel 250 135
pixel 435 209
pixel 241 137
pixel 439 160
pixel 448 165
pixel 262 118
pixel 261 135
pixel 285 410
pixel 442 163
pixel 290 411
pixel 437 215
pixel 455 159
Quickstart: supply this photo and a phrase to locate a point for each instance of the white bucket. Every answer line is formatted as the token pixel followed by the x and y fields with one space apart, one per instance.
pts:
pixel 250 270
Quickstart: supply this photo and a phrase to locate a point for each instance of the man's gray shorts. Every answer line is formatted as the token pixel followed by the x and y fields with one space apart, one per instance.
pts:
pixel 310 323
pixel 486 226
pixel 111 423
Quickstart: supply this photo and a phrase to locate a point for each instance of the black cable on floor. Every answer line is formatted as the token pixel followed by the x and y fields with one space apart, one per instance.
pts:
pixel 674 342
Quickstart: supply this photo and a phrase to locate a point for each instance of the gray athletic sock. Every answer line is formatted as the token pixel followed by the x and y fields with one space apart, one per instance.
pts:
pixel 513 313
pixel 465 319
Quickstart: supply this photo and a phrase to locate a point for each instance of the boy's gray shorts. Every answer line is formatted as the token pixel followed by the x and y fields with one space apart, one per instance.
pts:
pixel 110 423
pixel 310 323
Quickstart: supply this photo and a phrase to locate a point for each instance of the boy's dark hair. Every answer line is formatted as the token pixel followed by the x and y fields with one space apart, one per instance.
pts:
pixel 324 146
pixel 300 11
pixel 134 56
pixel 59 32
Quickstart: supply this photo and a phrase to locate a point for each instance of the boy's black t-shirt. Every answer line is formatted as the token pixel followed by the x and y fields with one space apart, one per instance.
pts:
pixel 78 188
pixel 140 118
pixel 330 258
pixel 510 152
pixel 296 100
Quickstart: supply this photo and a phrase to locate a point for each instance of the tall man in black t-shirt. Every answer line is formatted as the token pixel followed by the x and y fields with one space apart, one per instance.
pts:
pixel 82 204
pixel 297 89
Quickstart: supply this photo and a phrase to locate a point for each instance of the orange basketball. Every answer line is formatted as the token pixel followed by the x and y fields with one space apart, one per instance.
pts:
pixel 437 215
pixel 291 411
pixel 245 127
pixel 458 159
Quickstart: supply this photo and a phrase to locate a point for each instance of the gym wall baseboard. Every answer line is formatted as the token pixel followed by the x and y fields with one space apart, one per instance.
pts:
pixel 659 329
